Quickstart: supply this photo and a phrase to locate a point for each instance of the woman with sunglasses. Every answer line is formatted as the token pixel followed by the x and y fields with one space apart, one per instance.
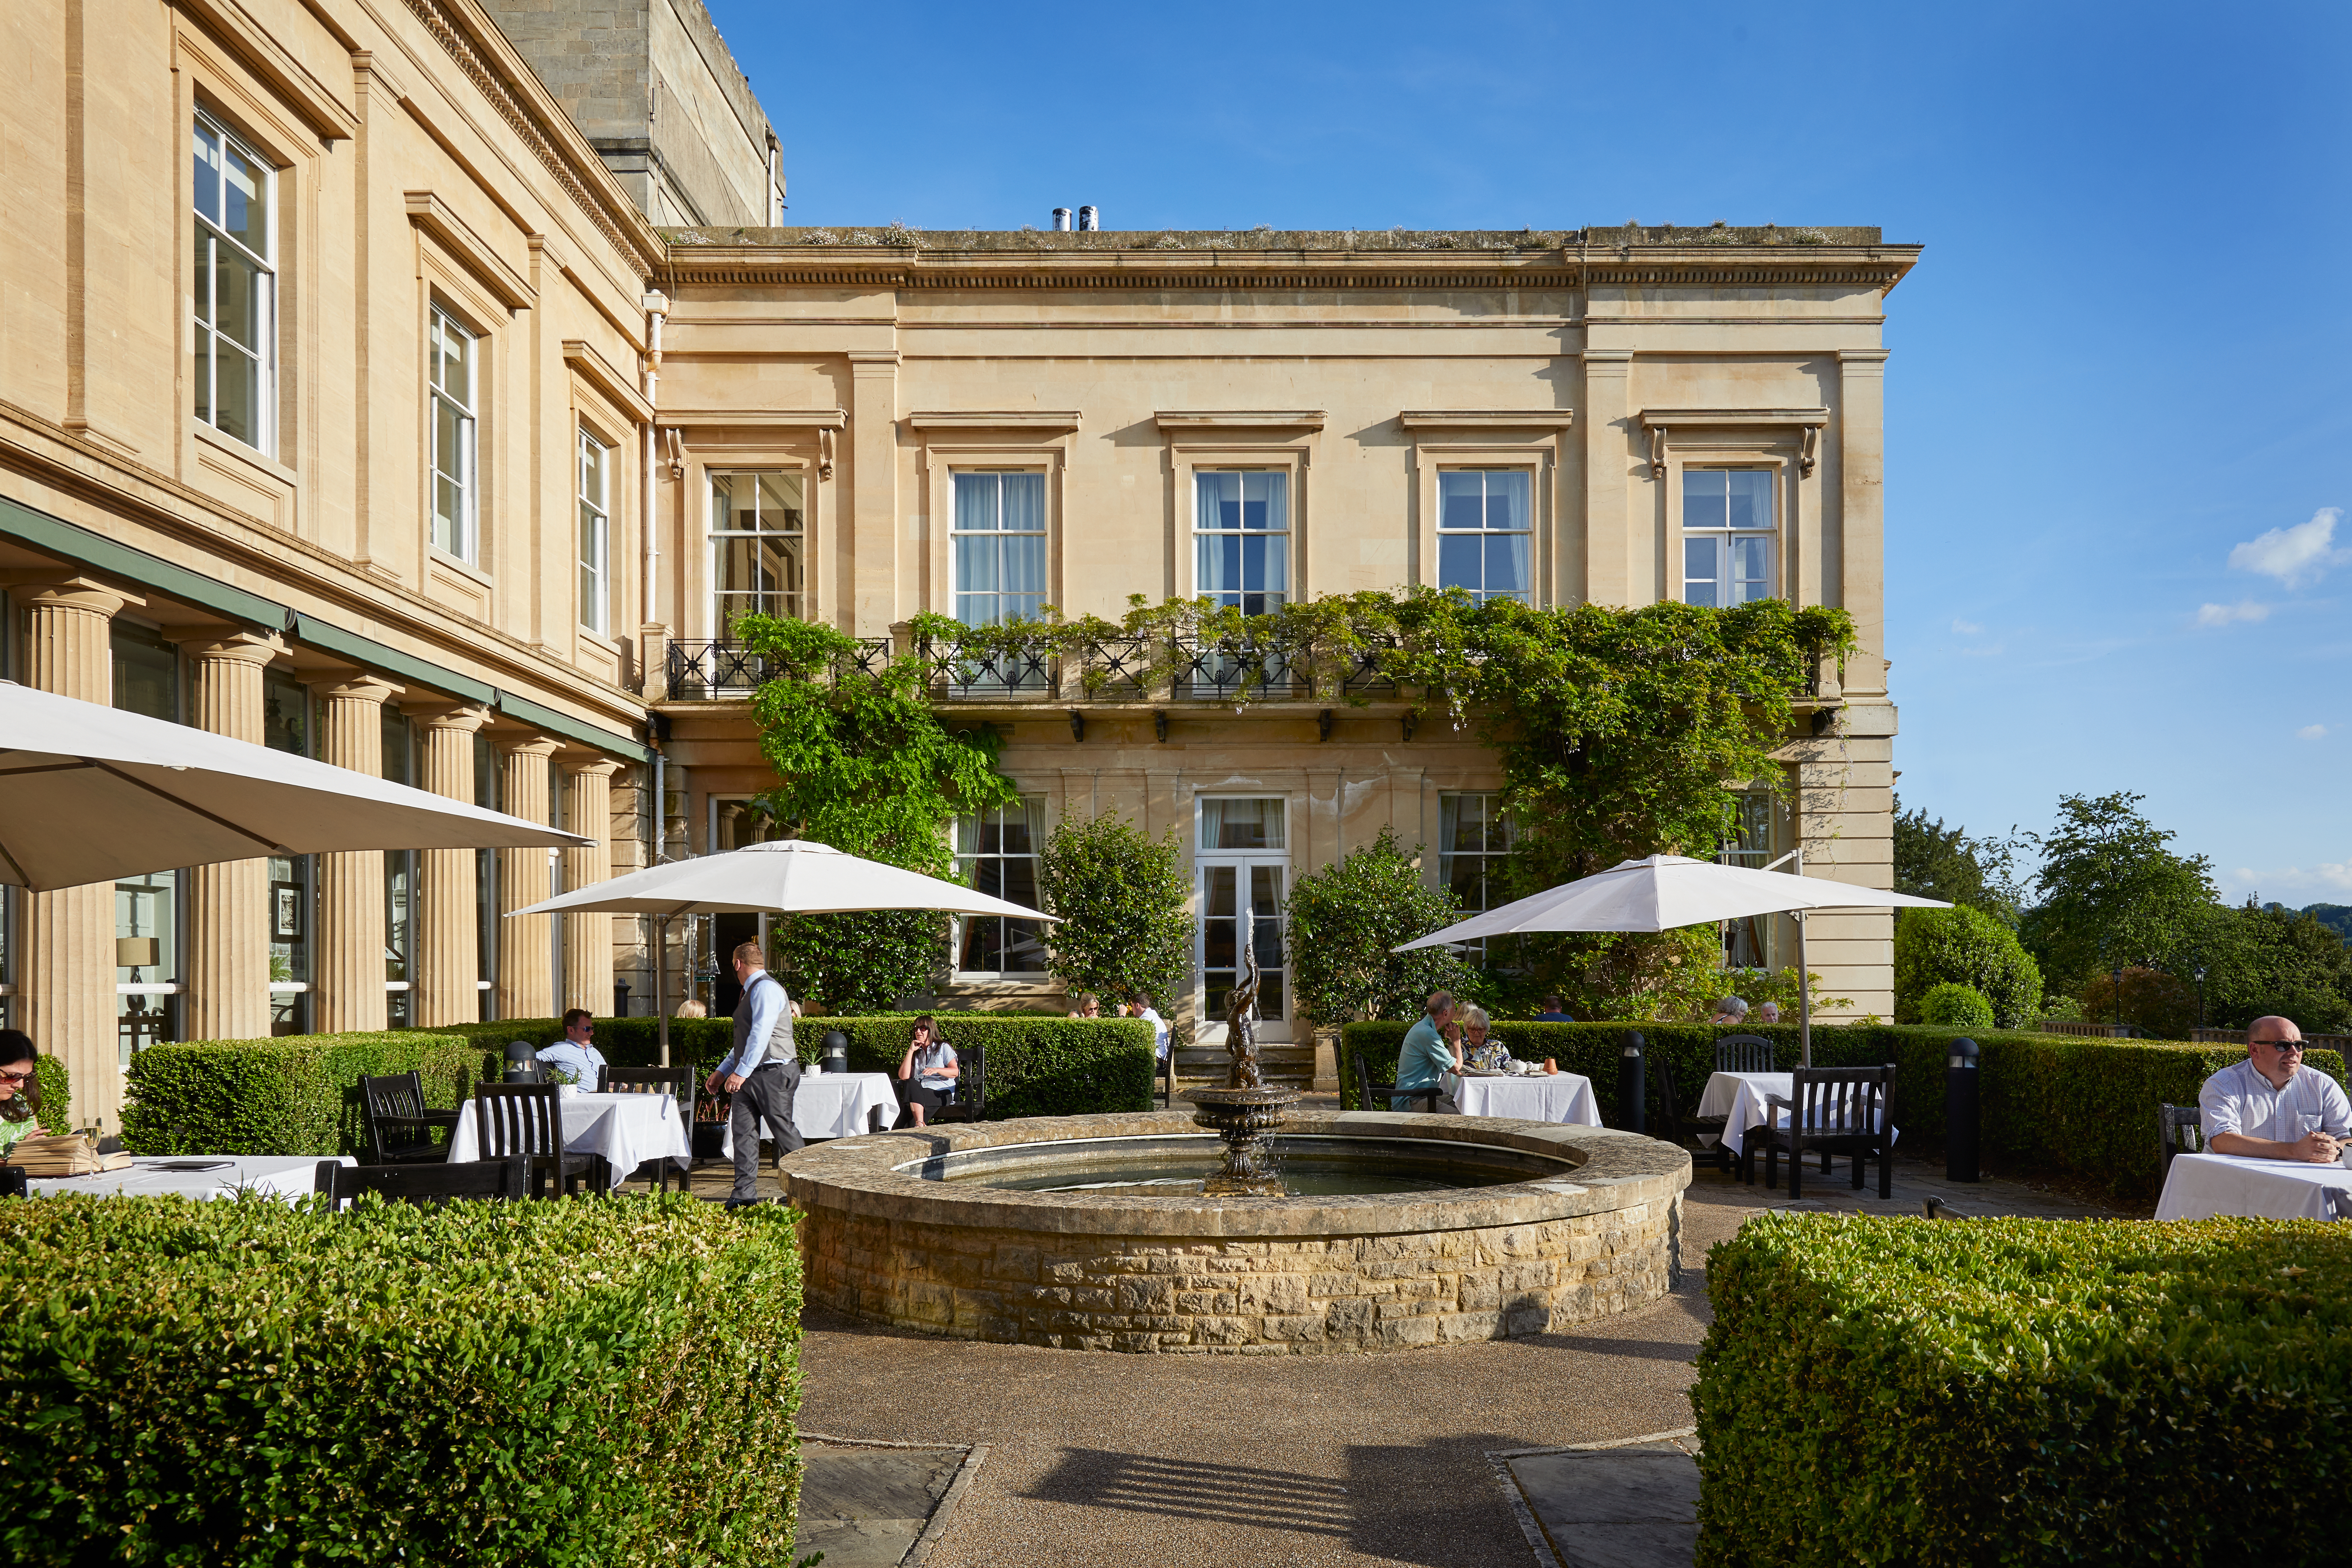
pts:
pixel 20 1093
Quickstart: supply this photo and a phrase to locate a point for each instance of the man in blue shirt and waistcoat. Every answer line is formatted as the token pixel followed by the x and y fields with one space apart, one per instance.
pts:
pixel 763 1073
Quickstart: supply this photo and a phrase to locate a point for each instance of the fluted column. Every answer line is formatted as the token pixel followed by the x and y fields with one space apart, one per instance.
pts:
pixel 588 938
pixel 526 946
pixel 227 970
pixel 65 988
pixel 449 934
pixel 347 973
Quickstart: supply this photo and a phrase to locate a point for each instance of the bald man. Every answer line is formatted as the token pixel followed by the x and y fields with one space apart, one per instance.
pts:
pixel 2269 1107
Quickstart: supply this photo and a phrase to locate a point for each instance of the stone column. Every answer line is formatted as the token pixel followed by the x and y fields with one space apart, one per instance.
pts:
pixel 1617 569
pixel 64 985
pixel 347 971
pixel 870 590
pixel 588 938
pixel 227 967
pixel 526 946
pixel 449 934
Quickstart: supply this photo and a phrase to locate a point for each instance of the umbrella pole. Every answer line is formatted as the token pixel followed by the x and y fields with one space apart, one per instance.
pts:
pixel 661 981
pixel 1804 1000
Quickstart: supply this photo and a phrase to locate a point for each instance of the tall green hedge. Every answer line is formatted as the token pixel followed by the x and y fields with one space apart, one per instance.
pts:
pixel 2083 1106
pixel 56 1114
pixel 296 1094
pixel 2024 1392
pixel 257 1382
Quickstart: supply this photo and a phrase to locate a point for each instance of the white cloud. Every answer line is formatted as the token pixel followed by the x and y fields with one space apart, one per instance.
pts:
pixel 1966 628
pixel 2294 555
pixel 2327 877
pixel 2222 614
pixel 2311 732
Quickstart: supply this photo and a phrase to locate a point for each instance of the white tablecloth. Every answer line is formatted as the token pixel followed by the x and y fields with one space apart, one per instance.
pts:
pixel 1739 1098
pixel 1548 1096
pixel 833 1105
pixel 288 1176
pixel 626 1128
pixel 2200 1186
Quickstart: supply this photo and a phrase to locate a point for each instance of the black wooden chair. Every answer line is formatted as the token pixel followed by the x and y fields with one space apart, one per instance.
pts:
pixel 1832 1110
pixel 13 1182
pixel 498 1181
pixel 1688 1131
pixel 1743 1053
pixel 399 1124
pixel 676 1082
pixel 1379 1096
pixel 2180 1130
pixel 970 1102
pixel 527 1119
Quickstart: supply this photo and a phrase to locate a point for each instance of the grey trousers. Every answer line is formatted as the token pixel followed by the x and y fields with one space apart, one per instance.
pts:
pixel 766 1097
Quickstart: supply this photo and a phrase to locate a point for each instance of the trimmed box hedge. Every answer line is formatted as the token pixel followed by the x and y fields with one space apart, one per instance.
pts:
pixel 2024 1392
pixel 2084 1106
pixel 252 1382
pixel 1038 1064
pixel 294 1094
pixel 56 1085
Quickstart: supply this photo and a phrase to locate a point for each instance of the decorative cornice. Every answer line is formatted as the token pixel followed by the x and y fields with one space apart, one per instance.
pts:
pixel 320 108
pixel 755 418
pixel 1243 420
pixel 598 372
pixel 435 217
pixel 1022 419
pixel 1487 419
pixel 1806 422
pixel 513 90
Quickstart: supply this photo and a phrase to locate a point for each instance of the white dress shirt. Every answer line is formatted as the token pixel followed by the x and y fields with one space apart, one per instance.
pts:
pixel 2239 1099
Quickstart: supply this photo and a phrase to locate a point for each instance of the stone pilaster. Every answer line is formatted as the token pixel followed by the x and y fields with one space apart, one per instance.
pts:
pixel 347 972
pixel 526 946
pixel 227 968
pixel 588 938
pixel 65 987
pixel 449 934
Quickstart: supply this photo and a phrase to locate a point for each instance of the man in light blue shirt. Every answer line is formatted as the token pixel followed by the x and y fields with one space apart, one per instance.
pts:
pixel 1426 1059
pixel 2271 1107
pixel 763 1073
pixel 575 1055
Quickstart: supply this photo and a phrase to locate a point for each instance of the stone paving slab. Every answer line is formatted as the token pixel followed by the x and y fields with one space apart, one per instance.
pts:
pixel 875 1504
pixel 1622 1505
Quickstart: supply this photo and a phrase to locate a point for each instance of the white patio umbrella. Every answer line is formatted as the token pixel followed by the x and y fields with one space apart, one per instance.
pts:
pixel 1663 892
pixel 793 876
pixel 91 794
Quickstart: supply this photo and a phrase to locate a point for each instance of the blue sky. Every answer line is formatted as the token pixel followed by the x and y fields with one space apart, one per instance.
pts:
pixel 2117 423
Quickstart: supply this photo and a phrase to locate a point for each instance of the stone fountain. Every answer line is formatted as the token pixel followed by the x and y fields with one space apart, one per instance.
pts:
pixel 1246 1112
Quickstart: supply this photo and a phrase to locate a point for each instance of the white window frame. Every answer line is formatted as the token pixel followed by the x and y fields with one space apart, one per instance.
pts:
pixel 211 231
pixel 957 535
pixel 1449 805
pixel 806 595
pixel 1280 540
pixel 1725 539
pixel 463 468
pixel 967 867
pixel 595 486
pixel 1526 529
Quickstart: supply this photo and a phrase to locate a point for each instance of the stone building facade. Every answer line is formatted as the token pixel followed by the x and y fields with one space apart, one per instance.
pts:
pixel 344 359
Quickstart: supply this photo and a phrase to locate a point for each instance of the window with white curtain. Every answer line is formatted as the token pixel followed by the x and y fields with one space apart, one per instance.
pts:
pixel 997 853
pixel 1242 530
pixel 233 300
pixel 758 544
pixel 1000 545
pixel 595 533
pixel 450 355
pixel 1729 527
pixel 1485 535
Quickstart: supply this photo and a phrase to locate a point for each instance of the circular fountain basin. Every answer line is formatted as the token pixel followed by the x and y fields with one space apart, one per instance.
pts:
pixel 1000 1231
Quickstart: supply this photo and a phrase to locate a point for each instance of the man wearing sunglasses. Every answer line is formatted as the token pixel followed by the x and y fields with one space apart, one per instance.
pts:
pixel 576 1052
pixel 2269 1106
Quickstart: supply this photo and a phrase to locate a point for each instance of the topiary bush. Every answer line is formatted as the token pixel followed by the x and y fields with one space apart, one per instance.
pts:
pixel 250 1381
pixel 2023 1392
pixel 2082 1107
pixel 56 1085
pixel 1971 948
pixel 295 1094
pixel 1121 894
pixel 1948 1004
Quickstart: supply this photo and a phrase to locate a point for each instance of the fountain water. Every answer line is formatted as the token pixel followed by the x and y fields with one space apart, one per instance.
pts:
pixel 1246 1113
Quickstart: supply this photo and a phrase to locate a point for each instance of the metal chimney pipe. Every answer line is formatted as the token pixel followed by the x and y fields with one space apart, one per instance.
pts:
pixel 1089 219
pixel 1061 220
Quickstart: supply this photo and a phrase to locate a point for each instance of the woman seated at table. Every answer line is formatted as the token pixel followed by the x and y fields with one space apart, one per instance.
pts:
pixel 927 1074
pixel 1089 1006
pixel 1475 1048
pixel 20 1095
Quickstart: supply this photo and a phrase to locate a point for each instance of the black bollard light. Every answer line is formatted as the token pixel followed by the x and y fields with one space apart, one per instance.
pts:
pixel 1960 1112
pixel 1632 1086
pixel 834 1053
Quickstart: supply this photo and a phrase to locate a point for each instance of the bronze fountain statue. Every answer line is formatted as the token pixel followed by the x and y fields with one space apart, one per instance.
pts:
pixel 1245 1113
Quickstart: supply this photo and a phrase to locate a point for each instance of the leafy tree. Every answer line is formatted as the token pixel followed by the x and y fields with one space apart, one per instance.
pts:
pixel 1120 895
pixel 1932 862
pixel 1968 947
pixel 1953 1006
pixel 2161 1006
pixel 2336 917
pixel 2111 893
pixel 1343 921
pixel 865 766
pixel 2262 961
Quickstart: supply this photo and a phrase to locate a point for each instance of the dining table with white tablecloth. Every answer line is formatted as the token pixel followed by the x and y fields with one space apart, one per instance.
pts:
pixel 2205 1186
pixel 834 1105
pixel 1740 1099
pixel 1527 1096
pixel 625 1130
pixel 287 1176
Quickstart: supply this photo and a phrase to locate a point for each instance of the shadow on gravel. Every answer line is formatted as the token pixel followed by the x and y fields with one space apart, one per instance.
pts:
pixel 1192 1488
